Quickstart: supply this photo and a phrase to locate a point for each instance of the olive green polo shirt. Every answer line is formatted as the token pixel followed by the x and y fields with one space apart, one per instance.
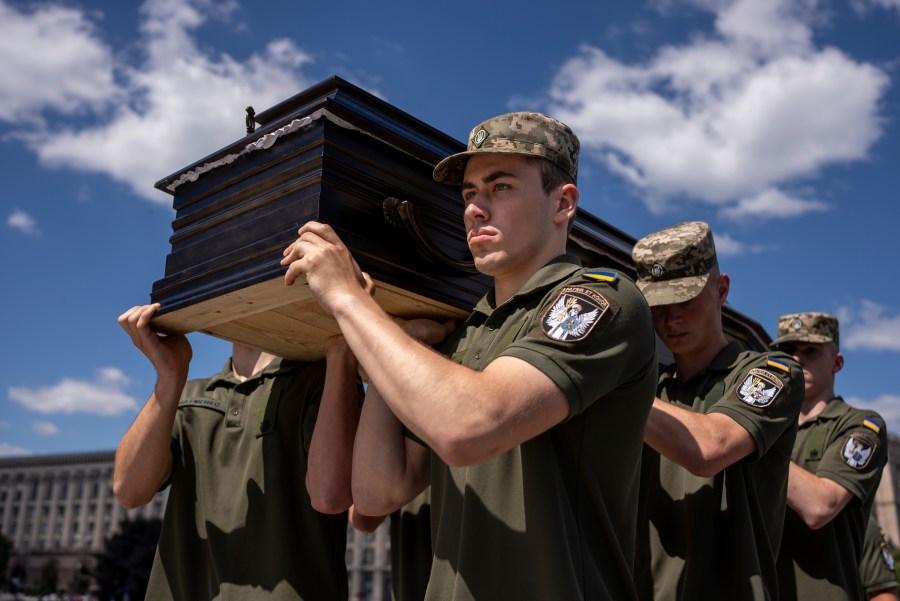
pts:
pixel 553 518
pixel 876 568
pixel 718 537
pixel 239 524
pixel 848 446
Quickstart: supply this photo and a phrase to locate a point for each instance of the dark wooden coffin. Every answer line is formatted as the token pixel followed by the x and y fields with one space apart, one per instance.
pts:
pixel 336 154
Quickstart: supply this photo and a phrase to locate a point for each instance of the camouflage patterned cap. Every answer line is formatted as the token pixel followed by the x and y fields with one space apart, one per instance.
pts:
pixel 807 327
pixel 673 264
pixel 527 134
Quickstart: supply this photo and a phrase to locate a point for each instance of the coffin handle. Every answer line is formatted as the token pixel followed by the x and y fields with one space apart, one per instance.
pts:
pixel 403 213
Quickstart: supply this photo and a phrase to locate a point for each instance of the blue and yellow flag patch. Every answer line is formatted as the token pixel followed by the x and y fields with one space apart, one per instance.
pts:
pixel 779 364
pixel 601 275
pixel 872 424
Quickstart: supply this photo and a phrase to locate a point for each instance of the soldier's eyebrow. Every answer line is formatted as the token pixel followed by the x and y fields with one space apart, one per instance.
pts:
pixel 490 177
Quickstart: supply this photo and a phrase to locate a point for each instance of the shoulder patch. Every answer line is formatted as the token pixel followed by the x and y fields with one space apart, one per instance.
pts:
pixel 886 554
pixel 601 275
pixel 759 388
pixel 214 404
pixel 778 364
pixel 872 424
pixel 574 313
pixel 858 450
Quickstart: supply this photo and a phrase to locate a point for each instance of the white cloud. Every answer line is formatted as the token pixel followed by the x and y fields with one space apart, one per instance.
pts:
pixel 180 104
pixel 44 428
pixel 727 116
pixel 771 203
pixel 9 450
pixel 871 327
pixel 887 405
pixel 22 221
pixel 77 74
pixel 726 246
pixel 104 396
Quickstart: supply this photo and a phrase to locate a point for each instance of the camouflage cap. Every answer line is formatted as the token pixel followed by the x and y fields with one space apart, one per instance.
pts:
pixel 807 327
pixel 673 264
pixel 526 134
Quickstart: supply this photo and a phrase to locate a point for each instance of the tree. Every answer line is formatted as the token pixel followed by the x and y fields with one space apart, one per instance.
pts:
pixel 124 566
pixel 6 547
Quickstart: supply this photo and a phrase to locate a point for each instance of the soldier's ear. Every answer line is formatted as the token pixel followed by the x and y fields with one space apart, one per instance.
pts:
pixel 723 285
pixel 838 363
pixel 566 204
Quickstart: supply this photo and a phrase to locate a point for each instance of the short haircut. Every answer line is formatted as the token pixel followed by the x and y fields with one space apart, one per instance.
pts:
pixel 552 176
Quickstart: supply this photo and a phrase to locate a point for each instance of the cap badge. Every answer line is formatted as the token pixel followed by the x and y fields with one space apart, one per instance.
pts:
pixel 479 137
pixel 657 270
pixel 796 324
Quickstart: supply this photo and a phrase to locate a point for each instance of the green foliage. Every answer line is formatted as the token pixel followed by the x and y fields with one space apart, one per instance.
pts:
pixel 127 558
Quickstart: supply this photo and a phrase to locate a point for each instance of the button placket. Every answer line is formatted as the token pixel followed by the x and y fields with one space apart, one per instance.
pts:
pixel 234 416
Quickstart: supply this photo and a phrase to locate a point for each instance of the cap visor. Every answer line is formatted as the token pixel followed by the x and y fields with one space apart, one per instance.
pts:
pixel 671 292
pixel 811 338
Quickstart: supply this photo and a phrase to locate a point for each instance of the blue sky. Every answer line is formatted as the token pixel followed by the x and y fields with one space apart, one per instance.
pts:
pixel 776 121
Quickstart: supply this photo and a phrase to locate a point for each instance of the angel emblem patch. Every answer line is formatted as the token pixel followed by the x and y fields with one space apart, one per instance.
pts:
pixel 759 388
pixel 574 314
pixel 857 451
pixel 886 554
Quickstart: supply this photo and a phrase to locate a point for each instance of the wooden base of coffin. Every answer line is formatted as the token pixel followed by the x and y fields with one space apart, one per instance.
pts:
pixel 286 320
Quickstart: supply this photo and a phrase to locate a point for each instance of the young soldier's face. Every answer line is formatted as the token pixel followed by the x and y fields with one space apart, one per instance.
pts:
pixel 819 363
pixel 508 217
pixel 686 328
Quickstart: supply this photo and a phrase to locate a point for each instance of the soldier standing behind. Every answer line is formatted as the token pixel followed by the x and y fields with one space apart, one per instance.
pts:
pixel 719 436
pixel 835 470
